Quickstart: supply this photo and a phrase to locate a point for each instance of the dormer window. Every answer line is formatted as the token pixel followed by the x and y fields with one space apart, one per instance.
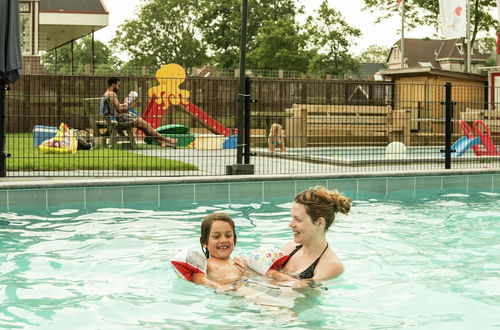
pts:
pixel 396 53
pixel 460 48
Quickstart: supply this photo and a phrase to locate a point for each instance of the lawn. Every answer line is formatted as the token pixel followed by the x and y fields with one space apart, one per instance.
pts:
pixel 26 158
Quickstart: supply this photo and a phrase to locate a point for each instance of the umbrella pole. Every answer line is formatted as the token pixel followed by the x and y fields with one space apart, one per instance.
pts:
pixel 3 154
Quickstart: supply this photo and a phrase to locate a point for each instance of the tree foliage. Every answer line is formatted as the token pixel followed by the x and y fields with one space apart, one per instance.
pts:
pixel 198 32
pixel 332 38
pixel 220 24
pixel 163 32
pixel 374 54
pixel 426 13
pixel 279 45
pixel 104 61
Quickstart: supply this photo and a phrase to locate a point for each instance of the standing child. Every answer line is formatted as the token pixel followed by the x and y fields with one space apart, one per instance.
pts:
pixel 218 239
pixel 276 138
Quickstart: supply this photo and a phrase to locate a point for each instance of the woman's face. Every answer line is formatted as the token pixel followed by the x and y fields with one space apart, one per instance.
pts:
pixel 221 240
pixel 304 230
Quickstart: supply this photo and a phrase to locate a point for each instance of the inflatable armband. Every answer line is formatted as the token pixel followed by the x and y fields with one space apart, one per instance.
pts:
pixel 266 258
pixel 187 262
pixel 64 142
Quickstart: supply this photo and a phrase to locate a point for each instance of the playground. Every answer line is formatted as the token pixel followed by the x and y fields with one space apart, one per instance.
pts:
pixel 344 126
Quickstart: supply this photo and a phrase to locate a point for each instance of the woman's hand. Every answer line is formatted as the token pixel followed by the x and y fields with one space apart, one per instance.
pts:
pixel 223 288
pixel 277 275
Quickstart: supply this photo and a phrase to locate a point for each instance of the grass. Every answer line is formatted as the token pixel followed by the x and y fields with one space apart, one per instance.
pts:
pixel 26 158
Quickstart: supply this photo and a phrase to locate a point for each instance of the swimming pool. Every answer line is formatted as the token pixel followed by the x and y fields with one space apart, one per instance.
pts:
pixel 414 259
pixel 378 155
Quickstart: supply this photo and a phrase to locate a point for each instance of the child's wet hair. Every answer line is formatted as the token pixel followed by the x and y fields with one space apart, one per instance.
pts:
pixel 275 130
pixel 206 226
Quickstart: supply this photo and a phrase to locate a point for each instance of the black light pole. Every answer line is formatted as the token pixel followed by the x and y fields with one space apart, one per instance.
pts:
pixel 243 100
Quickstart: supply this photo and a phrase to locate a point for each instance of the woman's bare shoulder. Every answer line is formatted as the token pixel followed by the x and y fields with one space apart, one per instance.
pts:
pixel 329 267
pixel 289 247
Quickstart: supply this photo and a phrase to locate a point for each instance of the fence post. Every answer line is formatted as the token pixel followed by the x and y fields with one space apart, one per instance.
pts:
pixel 448 126
pixel 243 98
pixel 3 155
pixel 248 100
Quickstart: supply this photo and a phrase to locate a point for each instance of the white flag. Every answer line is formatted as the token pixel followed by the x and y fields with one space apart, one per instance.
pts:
pixel 498 8
pixel 453 18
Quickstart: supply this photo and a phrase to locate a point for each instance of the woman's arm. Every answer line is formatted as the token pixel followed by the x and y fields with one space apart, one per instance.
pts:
pixel 279 276
pixel 202 279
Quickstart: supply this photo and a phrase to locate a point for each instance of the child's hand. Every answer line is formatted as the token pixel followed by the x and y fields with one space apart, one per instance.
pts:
pixel 241 263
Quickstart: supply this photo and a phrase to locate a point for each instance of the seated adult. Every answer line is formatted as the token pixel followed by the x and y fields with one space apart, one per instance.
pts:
pixel 121 113
pixel 309 254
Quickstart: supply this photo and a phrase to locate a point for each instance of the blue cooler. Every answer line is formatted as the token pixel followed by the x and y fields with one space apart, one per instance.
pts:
pixel 42 133
pixel 231 142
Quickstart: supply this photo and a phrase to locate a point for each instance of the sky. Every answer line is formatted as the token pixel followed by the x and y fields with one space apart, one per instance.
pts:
pixel 383 34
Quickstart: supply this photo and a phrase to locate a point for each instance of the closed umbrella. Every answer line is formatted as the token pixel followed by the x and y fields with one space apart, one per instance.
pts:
pixel 10 62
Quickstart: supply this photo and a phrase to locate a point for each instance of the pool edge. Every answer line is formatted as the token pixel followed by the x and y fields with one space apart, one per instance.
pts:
pixel 51 182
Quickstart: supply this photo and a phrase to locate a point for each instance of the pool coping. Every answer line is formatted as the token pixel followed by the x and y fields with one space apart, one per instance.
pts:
pixel 58 182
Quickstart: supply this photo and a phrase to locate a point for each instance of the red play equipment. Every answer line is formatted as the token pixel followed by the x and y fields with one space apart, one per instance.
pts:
pixel 154 115
pixel 488 147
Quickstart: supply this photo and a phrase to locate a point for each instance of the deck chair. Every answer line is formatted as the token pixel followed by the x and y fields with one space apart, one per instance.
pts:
pixel 105 127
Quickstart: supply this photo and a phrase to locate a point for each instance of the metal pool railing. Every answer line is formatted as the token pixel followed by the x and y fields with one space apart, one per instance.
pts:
pixel 363 126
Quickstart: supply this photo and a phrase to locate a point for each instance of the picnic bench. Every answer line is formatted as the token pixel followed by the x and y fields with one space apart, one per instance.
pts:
pixel 106 127
pixel 324 125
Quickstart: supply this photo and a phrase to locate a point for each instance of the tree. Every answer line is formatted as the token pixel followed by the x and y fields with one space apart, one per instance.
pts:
pixel 220 24
pixel 374 54
pixel 279 45
pixel 331 38
pixel 426 12
pixel 163 32
pixel 104 61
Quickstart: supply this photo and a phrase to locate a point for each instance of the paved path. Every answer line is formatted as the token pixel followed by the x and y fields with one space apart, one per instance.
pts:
pixel 214 162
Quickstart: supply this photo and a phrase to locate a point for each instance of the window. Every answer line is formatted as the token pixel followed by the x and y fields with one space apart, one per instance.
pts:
pixel 397 53
pixel 24 7
pixel 25 25
pixel 459 48
pixel 425 64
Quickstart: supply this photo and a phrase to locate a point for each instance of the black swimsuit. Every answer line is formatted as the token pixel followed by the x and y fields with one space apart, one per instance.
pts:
pixel 309 272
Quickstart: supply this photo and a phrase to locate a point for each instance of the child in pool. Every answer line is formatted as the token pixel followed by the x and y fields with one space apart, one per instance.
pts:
pixel 276 138
pixel 218 238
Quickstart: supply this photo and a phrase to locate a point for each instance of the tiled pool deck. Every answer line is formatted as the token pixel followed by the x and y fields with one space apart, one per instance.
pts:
pixel 86 193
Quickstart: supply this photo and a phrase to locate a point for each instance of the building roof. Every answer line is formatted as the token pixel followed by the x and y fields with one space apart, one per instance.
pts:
pixel 429 52
pixel 80 6
pixel 62 21
pixel 409 72
pixel 420 50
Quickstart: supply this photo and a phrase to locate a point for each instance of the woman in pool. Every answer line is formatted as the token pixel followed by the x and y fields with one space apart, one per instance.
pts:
pixel 218 238
pixel 309 255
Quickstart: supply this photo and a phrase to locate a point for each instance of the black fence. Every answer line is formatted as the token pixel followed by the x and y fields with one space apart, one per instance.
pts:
pixel 327 126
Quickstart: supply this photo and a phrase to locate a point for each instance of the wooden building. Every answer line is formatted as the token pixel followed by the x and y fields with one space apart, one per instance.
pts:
pixel 420 91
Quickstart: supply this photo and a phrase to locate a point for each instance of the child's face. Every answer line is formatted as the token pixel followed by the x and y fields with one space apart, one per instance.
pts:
pixel 221 240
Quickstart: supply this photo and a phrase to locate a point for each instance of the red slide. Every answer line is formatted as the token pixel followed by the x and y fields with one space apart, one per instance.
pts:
pixel 154 116
pixel 208 122
pixel 154 113
pixel 487 146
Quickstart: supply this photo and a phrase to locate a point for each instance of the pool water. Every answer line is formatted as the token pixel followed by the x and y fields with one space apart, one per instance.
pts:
pixel 428 264
pixel 353 155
